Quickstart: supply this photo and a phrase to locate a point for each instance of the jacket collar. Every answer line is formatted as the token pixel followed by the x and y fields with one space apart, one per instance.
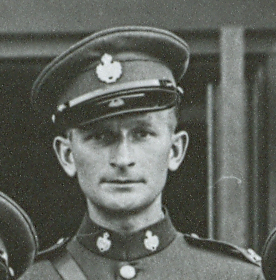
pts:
pixel 126 247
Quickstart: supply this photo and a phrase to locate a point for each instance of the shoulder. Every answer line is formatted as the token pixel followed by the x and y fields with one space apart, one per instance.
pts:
pixel 223 250
pixel 214 259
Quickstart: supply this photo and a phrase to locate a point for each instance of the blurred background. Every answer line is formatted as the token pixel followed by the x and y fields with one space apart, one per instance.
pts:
pixel 226 186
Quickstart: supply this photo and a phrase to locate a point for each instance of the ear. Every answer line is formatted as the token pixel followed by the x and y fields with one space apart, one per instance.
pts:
pixel 62 148
pixel 179 147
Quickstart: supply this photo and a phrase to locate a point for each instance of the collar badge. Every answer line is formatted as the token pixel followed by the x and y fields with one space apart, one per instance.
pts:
pixel 108 71
pixel 103 243
pixel 151 242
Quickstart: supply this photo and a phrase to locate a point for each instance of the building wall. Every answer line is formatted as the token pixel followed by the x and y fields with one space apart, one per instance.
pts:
pixel 86 15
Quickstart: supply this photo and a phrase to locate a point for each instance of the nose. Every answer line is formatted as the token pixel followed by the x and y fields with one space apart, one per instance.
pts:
pixel 122 155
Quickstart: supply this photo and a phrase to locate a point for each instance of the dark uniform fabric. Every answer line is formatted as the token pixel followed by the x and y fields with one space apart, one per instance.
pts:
pixel 157 252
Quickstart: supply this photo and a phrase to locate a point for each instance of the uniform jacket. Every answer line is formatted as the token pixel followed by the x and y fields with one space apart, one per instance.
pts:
pixel 156 252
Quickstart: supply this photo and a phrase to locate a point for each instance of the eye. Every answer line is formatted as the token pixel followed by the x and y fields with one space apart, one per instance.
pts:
pixel 141 134
pixel 99 136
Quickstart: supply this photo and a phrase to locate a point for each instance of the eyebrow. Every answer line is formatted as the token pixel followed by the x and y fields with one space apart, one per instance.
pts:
pixel 92 126
pixel 143 122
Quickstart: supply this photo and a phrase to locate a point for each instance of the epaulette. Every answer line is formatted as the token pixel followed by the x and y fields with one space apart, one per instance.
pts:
pixel 54 250
pixel 248 255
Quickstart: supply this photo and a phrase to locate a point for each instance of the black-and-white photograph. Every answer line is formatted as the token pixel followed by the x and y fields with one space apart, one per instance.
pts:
pixel 138 140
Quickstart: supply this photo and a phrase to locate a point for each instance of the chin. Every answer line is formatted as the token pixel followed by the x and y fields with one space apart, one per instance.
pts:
pixel 124 208
pixel 128 208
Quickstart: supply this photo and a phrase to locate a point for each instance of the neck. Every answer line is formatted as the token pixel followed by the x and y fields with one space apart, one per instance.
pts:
pixel 126 222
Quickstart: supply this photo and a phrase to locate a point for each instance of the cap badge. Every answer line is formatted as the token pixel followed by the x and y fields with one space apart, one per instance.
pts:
pixel 109 71
pixel 151 242
pixel 103 243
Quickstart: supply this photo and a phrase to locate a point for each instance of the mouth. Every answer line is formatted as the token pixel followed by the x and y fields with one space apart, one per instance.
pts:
pixel 122 182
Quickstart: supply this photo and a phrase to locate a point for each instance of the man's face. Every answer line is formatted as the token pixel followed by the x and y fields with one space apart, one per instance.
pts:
pixel 122 163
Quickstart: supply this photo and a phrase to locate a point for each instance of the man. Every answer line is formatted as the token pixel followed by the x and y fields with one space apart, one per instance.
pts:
pixel 114 100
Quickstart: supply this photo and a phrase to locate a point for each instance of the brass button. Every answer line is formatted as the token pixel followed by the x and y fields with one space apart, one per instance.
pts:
pixel 127 271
